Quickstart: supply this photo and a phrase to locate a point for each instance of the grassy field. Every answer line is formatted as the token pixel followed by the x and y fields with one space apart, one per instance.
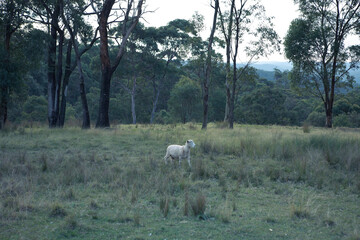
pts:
pixel 253 182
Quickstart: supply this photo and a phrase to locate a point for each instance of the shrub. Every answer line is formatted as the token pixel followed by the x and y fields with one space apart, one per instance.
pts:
pixel 35 109
pixel 163 117
pixel 184 102
pixel 342 120
pixel 316 119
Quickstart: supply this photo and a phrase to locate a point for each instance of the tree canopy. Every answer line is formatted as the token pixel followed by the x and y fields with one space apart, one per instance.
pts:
pixel 85 62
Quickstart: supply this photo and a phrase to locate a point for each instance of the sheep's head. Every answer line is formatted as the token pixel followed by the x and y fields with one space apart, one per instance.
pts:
pixel 190 143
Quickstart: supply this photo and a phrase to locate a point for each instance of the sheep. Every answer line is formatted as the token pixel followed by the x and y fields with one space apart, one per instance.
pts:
pixel 178 151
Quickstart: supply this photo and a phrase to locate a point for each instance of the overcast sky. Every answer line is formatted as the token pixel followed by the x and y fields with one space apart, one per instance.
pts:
pixel 283 11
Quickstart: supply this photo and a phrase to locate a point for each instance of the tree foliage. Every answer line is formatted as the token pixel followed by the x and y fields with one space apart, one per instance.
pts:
pixel 162 71
pixel 315 44
pixel 184 102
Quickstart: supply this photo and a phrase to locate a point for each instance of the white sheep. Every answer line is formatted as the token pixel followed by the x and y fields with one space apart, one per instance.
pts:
pixel 178 151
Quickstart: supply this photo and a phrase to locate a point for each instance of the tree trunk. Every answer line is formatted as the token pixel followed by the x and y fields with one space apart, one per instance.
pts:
pixel 103 114
pixel 3 107
pixel 52 84
pixel 84 104
pixel 155 102
pixel 157 90
pixel 4 91
pixel 228 36
pixel 51 77
pixel 69 68
pixel 133 93
pixel 234 65
pixel 106 68
pixel 59 74
pixel 208 68
pixel 64 89
pixel 232 97
pixel 227 83
pixel 328 118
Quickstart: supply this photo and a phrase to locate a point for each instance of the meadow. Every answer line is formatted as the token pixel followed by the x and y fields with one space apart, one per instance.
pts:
pixel 253 182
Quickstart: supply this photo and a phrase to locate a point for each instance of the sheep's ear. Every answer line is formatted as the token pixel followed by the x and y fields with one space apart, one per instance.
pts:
pixel 188 141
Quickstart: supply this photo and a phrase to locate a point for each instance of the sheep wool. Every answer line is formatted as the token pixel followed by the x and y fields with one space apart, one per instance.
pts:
pixel 178 151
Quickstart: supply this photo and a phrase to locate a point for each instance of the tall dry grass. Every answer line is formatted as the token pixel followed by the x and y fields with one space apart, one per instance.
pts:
pixel 123 168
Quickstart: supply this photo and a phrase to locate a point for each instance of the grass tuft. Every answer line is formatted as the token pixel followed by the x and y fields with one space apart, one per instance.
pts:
pixel 224 212
pixel 116 179
pixel 199 171
pixel 57 210
pixel 198 205
pixel 43 162
pixel 94 205
pixel 70 194
pixel 137 219
pixel 302 207
pixel 306 127
pixel 164 206
pixel 186 204
pixel 71 222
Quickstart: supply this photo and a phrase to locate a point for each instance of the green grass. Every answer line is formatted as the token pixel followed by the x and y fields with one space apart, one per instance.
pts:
pixel 253 182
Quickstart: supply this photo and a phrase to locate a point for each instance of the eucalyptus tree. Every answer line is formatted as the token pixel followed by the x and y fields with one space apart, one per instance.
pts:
pixel 63 19
pixel 175 42
pixel 248 35
pixel 72 13
pixel 11 20
pixel 161 50
pixel 208 67
pixel 315 44
pixel 128 78
pixel 48 14
pixel 184 102
pixel 128 13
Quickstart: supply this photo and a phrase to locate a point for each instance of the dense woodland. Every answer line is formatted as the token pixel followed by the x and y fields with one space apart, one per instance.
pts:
pixel 60 58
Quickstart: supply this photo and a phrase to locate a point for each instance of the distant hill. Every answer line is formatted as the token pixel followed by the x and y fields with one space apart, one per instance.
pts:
pixel 356 74
pixel 266 69
pixel 270 66
pixel 268 75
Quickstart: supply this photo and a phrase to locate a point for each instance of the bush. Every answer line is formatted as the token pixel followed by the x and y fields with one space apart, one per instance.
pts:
pixel 316 119
pixel 35 109
pixel 70 113
pixel 342 120
pixel 185 100
pixel 163 117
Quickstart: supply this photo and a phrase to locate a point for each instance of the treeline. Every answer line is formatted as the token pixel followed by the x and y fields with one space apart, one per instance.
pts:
pixel 259 101
pixel 51 69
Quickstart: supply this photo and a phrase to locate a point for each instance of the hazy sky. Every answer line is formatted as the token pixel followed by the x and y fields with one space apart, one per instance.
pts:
pixel 283 11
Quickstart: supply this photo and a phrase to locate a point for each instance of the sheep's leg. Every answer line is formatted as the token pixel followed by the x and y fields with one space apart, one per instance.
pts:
pixel 189 161
pixel 166 158
pixel 179 161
